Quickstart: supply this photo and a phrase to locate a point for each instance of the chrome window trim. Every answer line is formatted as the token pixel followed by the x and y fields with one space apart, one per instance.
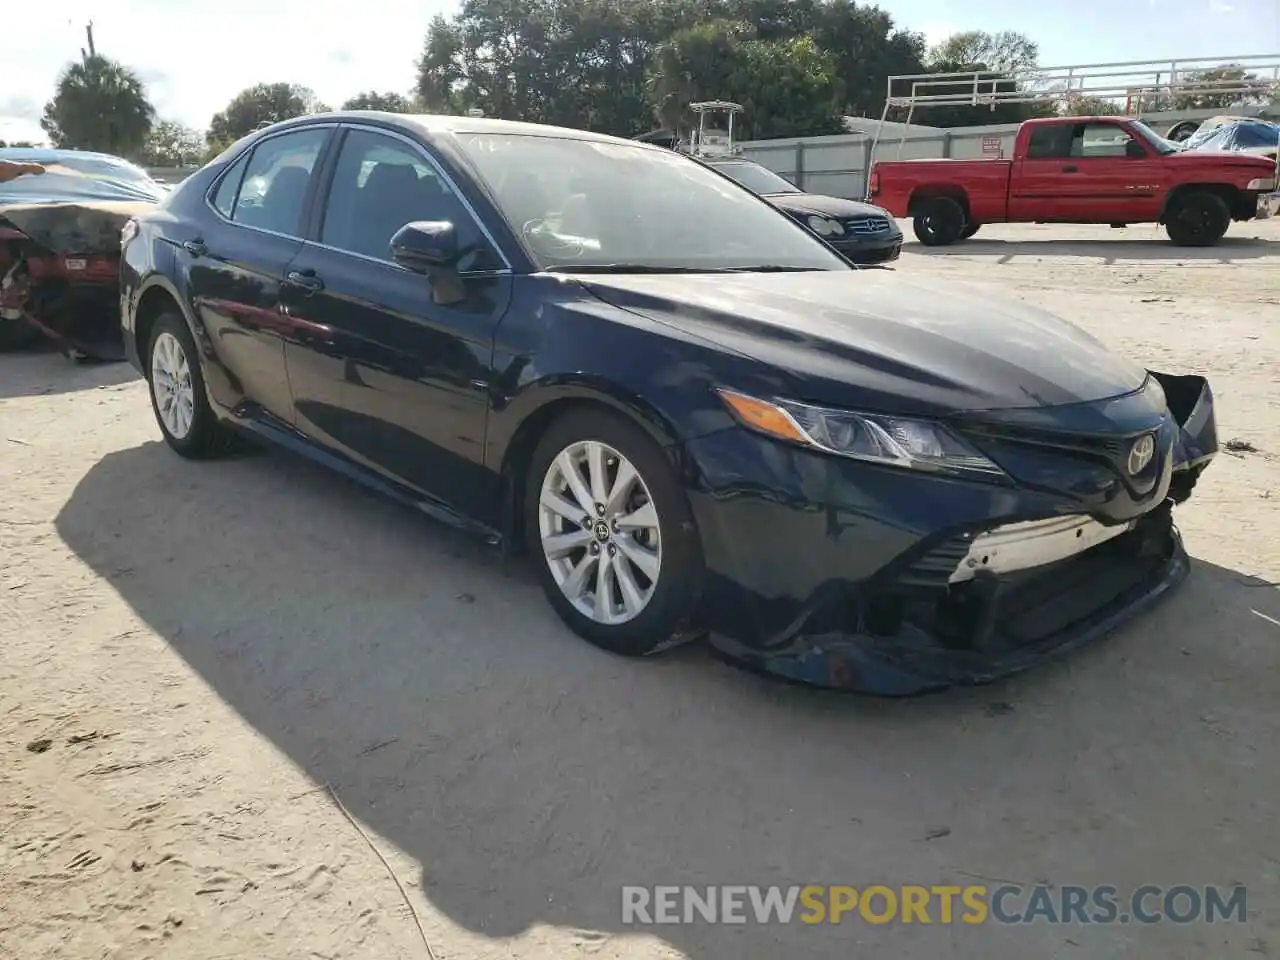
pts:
pixel 448 181
pixel 213 187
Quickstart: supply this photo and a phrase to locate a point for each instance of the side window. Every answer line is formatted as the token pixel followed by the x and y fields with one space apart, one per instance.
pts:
pixel 1050 141
pixel 381 183
pixel 224 201
pixel 1100 140
pixel 276 180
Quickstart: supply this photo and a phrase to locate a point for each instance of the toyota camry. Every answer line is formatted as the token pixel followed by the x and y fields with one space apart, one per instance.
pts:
pixel 694 415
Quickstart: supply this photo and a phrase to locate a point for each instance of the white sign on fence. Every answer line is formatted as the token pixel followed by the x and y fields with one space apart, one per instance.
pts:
pixel 992 145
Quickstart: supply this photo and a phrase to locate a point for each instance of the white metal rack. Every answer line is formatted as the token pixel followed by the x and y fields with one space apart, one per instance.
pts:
pixel 1137 82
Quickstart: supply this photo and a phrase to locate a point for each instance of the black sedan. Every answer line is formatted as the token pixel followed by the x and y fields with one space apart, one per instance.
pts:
pixel 860 232
pixel 698 418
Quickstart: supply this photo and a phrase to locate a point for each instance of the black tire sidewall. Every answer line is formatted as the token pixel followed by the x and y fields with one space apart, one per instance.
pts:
pixel 1201 203
pixel 17 335
pixel 669 614
pixel 942 209
pixel 204 438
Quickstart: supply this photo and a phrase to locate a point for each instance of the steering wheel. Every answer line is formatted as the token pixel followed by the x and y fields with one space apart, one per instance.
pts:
pixel 542 238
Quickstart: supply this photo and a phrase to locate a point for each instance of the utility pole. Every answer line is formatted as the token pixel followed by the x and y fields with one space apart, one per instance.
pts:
pixel 93 51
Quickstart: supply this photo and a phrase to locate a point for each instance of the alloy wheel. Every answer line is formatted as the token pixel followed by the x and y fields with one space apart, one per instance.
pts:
pixel 600 532
pixel 171 385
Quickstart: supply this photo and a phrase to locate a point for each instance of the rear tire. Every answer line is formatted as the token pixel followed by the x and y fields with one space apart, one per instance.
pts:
pixel 639 530
pixel 1198 219
pixel 178 398
pixel 970 230
pixel 17 335
pixel 938 222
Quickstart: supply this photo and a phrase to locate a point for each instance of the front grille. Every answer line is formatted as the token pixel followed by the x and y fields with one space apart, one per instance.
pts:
pixel 1112 451
pixel 867 225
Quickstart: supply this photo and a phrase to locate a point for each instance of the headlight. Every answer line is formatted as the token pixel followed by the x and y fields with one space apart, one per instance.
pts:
pixel 824 227
pixel 1262 184
pixel 893 441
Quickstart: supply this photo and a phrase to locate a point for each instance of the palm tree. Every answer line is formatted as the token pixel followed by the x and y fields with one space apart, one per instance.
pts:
pixel 99 105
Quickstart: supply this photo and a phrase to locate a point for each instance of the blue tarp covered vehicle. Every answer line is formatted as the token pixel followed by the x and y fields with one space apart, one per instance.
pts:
pixel 61 212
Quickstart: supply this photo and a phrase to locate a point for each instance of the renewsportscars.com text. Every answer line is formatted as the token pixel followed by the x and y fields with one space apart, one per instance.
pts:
pixel 941 904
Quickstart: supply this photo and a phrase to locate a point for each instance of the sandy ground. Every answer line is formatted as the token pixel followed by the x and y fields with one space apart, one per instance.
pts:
pixel 192 657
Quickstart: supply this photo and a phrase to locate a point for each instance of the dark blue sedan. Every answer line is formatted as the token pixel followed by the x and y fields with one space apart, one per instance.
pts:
pixel 697 417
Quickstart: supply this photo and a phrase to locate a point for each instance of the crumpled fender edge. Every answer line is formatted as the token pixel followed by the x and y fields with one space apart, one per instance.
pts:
pixel 1190 400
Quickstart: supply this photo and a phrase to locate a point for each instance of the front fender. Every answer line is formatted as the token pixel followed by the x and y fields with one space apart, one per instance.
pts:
pixel 1190 400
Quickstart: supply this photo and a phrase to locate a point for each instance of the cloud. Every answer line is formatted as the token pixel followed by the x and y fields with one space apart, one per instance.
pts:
pixel 936 31
pixel 21 108
pixel 1220 6
pixel 21 130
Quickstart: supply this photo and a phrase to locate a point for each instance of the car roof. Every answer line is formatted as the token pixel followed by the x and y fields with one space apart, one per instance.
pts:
pixel 449 125
pixel 54 154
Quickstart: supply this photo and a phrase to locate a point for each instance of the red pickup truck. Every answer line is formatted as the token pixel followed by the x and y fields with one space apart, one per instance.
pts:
pixel 1113 170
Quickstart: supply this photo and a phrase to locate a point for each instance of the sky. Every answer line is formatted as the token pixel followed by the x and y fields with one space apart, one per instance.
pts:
pixel 195 56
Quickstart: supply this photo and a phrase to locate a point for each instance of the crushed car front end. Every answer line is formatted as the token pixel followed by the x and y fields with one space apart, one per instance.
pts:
pixel 836 571
pixel 60 223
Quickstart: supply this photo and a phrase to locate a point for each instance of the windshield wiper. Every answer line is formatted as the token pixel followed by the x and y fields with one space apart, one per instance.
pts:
pixel 625 268
pixel 650 268
pixel 771 268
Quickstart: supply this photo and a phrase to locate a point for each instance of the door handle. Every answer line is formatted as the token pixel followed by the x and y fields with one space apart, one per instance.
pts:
pixel 1070 168
pixel 195 247
pixel 307 280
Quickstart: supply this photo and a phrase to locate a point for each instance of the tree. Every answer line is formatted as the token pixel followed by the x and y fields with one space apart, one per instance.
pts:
pixel 588 63
pixel 1011 68
pixel 1249 89
pixel 172 144
pixel 100 105
pixel 265 103
pixel 867 50
pixel 389 102
pixel 1086 106
pixel 787 87
pixel 1004 52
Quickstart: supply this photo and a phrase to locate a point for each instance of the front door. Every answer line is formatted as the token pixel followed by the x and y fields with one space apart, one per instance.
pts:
pixel 384 367
pixel 1088 172
pixel 237 265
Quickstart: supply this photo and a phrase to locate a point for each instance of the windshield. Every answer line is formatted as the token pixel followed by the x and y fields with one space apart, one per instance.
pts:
pixel 756 178
pixel 1160 143
pixel 1257 134
pixel 584 203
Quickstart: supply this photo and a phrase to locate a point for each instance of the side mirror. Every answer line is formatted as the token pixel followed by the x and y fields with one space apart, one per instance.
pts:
pixel 1133 150
pixel 425 246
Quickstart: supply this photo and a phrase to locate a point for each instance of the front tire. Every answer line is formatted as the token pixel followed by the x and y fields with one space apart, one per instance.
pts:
pixel 1198 219
pixel 178 396
pixel 938 222
pixel 612 535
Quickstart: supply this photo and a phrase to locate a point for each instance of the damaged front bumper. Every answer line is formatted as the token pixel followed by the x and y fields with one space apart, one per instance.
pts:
pixel 874 581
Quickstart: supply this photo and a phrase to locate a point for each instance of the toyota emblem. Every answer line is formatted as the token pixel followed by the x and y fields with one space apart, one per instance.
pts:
pixel 1140 454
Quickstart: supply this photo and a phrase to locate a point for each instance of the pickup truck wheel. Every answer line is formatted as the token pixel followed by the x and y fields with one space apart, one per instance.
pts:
pixel 939 222
pixel 970 230
pixel 1198 220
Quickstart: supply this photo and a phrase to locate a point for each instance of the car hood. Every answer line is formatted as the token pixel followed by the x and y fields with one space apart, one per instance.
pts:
pixel 1227 158
pixel 66 211
pixel 826 206
pixel 878 341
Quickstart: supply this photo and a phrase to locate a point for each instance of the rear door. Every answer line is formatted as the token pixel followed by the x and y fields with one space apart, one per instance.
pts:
pixel 237 262
pixel 385 367
pixel 1039 180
